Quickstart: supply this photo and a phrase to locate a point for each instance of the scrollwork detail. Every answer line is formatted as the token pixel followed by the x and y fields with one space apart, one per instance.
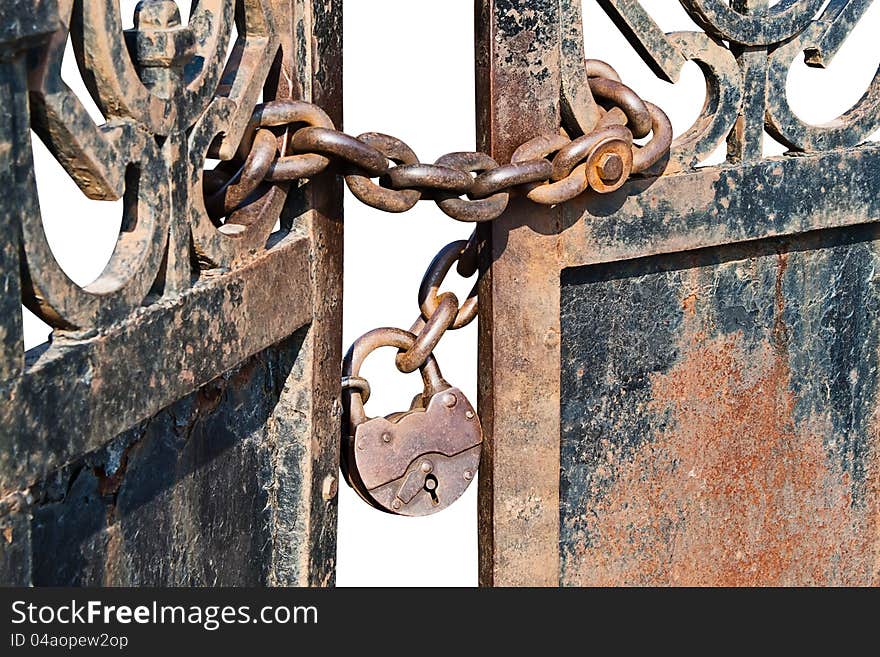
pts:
pixel 849 129
pixel 769 26
pixel 750 36
pixel 169 97
pixel 136 259
pixel 723 98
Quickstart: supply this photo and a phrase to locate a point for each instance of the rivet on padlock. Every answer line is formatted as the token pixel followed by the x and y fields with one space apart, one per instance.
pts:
pixel 416 462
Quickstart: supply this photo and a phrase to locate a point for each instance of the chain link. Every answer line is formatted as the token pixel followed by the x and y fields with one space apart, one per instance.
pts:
pixel 383 172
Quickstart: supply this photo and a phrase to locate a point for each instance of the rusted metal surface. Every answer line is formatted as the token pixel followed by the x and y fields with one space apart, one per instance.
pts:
pixel 718 416
pixel 78 391
pixel 206 354
pixel 677 379
pixel 518 64
pixel 125 512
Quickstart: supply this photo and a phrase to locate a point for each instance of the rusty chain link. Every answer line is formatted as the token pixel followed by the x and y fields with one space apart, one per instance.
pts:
pixel 468 186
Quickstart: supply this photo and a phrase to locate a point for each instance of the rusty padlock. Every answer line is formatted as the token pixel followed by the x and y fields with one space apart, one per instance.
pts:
pixel 416 462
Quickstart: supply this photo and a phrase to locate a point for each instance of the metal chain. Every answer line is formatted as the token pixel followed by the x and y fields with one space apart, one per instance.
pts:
pixel 468 186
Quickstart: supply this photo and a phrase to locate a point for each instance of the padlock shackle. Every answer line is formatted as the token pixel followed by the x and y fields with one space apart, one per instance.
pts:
pixel 432 379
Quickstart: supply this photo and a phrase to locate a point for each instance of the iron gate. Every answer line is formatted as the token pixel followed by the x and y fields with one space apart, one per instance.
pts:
pixel 679 379
pixel 181 425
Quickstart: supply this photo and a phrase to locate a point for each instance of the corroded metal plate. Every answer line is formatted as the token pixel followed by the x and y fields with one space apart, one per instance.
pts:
pixel 718 422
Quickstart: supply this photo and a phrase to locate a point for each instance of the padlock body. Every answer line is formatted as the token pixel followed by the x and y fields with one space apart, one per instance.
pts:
pixel 418 462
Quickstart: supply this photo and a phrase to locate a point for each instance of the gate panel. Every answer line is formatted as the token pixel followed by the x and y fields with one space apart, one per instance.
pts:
pixel 680 377
pixel 718 415
pixel 181 426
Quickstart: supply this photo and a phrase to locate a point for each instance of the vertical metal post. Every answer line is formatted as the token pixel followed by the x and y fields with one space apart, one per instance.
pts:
pixel 518 96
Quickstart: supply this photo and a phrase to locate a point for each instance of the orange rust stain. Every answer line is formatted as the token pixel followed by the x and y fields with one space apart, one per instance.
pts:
pixel 689 304
pixel 732 492
pixel 114 565
pixel 7 534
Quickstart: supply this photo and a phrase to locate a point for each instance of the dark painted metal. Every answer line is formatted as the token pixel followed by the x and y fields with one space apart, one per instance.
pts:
pixel 646 37
pixel 718 415
pixel 125 511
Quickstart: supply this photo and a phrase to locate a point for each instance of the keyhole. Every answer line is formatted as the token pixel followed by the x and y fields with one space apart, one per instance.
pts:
pixel 431 488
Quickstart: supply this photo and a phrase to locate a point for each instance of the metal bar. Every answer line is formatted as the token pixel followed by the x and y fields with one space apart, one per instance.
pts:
pixel 711 206
pixel 22 25
pixel 518 97
pixel 13 97
pixel 746 140
pixel 578 106
pixel 323 346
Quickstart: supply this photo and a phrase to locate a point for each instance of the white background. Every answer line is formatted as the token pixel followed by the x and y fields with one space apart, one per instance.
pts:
pixel 409 72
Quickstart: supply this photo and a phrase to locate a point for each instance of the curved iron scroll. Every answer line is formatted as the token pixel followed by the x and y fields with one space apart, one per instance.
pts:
pixel 170 100
pixel 745 54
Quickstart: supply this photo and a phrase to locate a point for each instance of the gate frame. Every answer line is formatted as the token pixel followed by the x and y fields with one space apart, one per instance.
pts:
pixel 72 396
